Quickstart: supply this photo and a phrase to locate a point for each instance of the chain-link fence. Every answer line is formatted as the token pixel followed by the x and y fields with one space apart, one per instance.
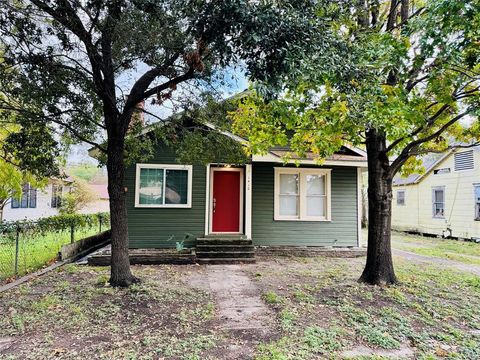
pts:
pixel 26 246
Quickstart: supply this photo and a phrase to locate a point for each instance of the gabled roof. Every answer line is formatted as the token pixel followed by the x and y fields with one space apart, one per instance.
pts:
pixel 348 155
pixel 430 164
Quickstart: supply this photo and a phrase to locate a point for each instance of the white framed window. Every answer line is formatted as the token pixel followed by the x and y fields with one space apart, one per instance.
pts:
pixel 163 186
pixel 302 194
pixel 28 200
pixel 476 194
pixel 438 202
pixel 56 201
pixel 401 197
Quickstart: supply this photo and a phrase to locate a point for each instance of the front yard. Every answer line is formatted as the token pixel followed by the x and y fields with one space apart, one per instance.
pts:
pixel 319 311
pixel 466 252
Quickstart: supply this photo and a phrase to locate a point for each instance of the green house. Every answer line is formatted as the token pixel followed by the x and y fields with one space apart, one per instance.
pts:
pixel 266 201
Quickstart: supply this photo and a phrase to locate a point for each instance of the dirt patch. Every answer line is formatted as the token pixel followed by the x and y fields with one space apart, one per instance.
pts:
pixel 5 343
pixel 405 352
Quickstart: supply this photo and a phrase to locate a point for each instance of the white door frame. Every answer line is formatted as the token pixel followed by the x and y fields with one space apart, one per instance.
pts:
pixel 210 198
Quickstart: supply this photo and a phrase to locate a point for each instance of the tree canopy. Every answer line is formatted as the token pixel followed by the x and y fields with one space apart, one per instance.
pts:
pixel 408 83
pixel 83 68
pixel 414 82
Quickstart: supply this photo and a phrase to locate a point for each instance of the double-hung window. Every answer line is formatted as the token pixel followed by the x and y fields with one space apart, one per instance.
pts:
pixel 401 197
pixel 56 196
pixel 28 199
pixel 302 194
pixel 438 202
pixel 476 191
pixel 163 186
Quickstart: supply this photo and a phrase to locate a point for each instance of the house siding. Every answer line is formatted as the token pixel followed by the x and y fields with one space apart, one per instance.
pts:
pixel 417 214
pixel 340 231
pixel 153 227
pixel 405 217
pixel 162 227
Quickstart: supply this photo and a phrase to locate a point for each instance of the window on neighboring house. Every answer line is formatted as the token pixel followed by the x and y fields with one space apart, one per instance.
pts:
pixel 438 195
pixel 28 199
pixel 401 197
pixel 476 189
pixel 441 171
pixel 163 185
pixel 302 194
pixel 56 196
pixel 464 161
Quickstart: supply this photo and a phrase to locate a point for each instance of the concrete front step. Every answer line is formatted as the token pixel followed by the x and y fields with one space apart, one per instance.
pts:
pixel 223 241
pixel 227 261
pixel 227 248
pixel 225 236
pixel 225 254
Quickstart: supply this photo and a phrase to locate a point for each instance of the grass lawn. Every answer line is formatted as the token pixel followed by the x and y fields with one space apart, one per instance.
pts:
pixel 320 311
pixel 462 251
pixel 35 250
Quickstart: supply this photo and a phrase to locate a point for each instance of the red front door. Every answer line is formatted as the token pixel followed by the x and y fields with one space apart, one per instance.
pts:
pixel 226 201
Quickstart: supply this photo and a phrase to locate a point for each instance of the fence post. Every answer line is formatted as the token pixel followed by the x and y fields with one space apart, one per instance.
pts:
pixel 100 222
pixel 17 235
pixel 72 234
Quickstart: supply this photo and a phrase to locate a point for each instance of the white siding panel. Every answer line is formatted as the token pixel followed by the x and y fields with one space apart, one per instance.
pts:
pixel 43 209
pixel 459 202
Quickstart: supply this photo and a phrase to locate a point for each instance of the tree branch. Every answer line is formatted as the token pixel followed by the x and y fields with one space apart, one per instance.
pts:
pixel 405 154
pixel 428 123
pixel 141 85
pixel 179 79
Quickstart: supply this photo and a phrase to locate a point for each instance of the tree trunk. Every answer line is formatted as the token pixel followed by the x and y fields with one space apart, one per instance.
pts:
pixel 3 202
pixel 121 275
pixel 379 266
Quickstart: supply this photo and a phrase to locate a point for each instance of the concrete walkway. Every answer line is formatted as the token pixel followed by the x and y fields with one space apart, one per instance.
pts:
pixel 239 307
pixel 238 302
pixel 410 256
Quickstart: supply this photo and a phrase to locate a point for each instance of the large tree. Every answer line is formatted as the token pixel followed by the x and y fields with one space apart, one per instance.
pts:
pixel 87 64
pixel 408 85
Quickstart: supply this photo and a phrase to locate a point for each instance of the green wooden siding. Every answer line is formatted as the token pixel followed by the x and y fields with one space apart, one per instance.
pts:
pixel 152 227
pixel 341 231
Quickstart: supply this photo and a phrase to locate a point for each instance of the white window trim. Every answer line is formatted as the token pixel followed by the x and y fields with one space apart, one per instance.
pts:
pixel 404 197
pixel 302 193
pixel 475 218
pixel 436 188
pixel 165 167
pixel 213 169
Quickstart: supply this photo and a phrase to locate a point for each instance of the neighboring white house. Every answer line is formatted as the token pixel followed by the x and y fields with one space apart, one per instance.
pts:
pixel 445 200
pixel 37 203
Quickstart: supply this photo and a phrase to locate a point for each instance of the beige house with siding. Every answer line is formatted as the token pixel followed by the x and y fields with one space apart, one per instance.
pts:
pixel 445 200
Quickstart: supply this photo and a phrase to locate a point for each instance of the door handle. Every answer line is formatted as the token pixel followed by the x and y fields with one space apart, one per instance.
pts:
pixel 214 204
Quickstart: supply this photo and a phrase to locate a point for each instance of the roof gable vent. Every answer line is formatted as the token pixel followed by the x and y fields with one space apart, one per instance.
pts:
pixel 464 160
